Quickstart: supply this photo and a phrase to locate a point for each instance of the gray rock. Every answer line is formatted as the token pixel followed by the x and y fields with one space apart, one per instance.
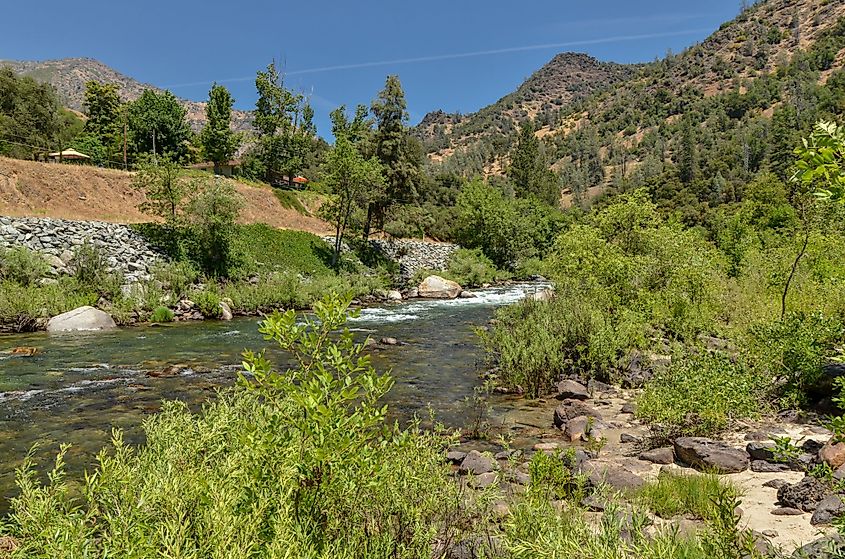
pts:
pixel 81 319
pixel 776 483
pixel 584 428
pixel 394 295
pixel 455 456
pixel 758 450
pixel 787 511
pixel 828 547
pixel 830 508
pixel 483 481
pixel 476 463
pixel 629 407
pixel 571 390
pixel 712 455
pixel 665 455
pixel 611 475
pixel 225 311
pixel 389 341
pixel 570 409
pixel 762 466
pixel 804 495
pixel 628 438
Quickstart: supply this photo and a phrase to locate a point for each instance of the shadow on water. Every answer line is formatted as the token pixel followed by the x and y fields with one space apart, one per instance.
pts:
pixel 78 387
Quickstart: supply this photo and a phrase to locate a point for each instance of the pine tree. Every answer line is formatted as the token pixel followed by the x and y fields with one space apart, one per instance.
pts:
pixel 528 171
pixel 219 142
pixel 688 153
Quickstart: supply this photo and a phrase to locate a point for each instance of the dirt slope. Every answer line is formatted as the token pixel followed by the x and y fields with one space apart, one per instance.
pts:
pixel 29 188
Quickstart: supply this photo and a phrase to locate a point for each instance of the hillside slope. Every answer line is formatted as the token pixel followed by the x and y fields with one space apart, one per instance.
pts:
pixel 29 188
pixel 561 99
pixel 69 75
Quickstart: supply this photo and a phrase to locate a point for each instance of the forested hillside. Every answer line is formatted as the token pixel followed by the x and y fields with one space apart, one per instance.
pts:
pixel 700 123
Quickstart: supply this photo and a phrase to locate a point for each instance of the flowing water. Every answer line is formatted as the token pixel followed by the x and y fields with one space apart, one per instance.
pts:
pixel 78 386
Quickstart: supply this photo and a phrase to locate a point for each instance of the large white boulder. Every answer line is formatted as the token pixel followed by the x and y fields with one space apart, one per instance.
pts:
pixel 81 319
pixel 435 287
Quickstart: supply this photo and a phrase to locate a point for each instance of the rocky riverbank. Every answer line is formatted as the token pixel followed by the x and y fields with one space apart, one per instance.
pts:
pixel 786 501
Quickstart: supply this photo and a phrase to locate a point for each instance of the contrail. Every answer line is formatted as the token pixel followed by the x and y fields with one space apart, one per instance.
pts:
pixel 435 58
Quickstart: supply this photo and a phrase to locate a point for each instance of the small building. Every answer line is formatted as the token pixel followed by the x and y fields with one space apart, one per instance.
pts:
pixel 70 155
pixel 226 169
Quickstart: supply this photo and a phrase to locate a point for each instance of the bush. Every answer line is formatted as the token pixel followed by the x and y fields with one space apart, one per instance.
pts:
pixel 700 394
pixel 793 351
pixel 471 268
pixel 89 265
pixel 299 463
pixel 178 277
pixel 207 303
pixel 212 214
pixel 23 307
pixel 22 266
pixel 161 314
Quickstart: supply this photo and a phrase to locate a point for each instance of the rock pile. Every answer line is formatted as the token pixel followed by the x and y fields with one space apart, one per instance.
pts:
pixel 57 239
pixel 411 255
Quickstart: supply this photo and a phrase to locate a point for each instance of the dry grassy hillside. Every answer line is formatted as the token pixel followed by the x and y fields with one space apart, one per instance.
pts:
pixel 29 188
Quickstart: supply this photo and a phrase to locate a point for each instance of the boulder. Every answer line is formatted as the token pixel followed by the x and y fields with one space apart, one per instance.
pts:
pixel 476 463
pixel 571 390
pixel 82 319
pixel 804 495
pixel 776 483
pixel 665 455
pixel 455 456
pixel 546 294
pixel 467 295
pixel 827 510
pixel 707 454
pixel 787 511
pixel 389 341
pixel 570 409
pixel 833 454
pixel 394 295
pixel 828 547
pixel 628 438
pixel 225 311
pixel 435 287
pixel 759 450
pixel 483 481
pixel 611 475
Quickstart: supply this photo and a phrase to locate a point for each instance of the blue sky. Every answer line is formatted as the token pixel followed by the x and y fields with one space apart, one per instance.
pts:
pixel 455 55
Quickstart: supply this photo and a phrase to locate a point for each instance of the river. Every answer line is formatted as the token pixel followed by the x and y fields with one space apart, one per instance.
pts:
pixel 78 386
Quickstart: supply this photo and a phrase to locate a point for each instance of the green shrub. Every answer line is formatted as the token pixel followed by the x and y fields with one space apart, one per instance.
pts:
pixel 700 394
pixel 178 276
pixel 22 266
pixel 89 265
pixel 293 463
pixel 471 268
pixel 212 214
pixel 207 303
pixel 793 351
pixel 684 494
pixel 161 314
pixel 23 307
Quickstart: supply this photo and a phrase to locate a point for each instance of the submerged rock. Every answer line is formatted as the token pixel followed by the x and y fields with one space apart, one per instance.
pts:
pixel 435 287
pixel 82 319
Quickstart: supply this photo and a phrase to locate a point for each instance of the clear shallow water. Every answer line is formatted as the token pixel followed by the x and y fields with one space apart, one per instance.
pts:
pixel 77 387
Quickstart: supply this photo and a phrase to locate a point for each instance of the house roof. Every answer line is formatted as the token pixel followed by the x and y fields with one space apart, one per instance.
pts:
pixel 69 154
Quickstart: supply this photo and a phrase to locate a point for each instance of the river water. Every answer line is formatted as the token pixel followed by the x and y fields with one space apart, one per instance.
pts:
pixel 79 386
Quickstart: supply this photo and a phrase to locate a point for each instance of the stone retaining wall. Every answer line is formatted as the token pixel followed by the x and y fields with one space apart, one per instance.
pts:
pixel 124 249
pixel 411 255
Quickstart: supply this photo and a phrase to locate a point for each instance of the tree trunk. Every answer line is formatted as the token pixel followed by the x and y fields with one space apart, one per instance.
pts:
pixel 792 274
pixel 368 222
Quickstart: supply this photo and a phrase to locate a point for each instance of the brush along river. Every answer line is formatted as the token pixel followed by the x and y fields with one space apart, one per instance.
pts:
pixel 79 386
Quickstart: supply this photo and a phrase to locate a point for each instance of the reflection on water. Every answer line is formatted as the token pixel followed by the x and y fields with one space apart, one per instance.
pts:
pixel 80 386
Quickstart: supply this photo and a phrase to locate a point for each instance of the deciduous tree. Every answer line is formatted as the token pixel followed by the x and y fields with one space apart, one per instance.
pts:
pixel 219 142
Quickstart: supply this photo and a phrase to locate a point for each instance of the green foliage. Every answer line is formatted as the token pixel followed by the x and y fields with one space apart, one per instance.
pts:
pixel 284 122
pixel 22 266
pixel 166 189
pixel 792 352
pixel 529 170
pixel 821 161
pixel 353 182
pixel 219 142
pixel 507 230
pixel 29 116
pixel 207 303
pixel 471 268
pixel 700 394
pixel 161 314
pixel 298 462
pixel 694 495
pixel 176 276
pixel 26 308
pixel 89 266
pixel 211 216
pixel 104 127
pixel 158 120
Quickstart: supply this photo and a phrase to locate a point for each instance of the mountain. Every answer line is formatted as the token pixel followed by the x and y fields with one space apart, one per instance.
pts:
pixel 568 77
pixel 613 108
pixel 69 75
